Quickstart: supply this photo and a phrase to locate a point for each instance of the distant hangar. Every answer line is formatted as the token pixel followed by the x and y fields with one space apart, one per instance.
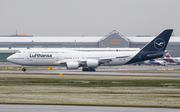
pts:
pixel 113 40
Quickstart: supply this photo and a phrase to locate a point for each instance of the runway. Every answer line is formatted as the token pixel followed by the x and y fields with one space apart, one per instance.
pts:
pixel 164 71
pixel 58 108
pixel 79 72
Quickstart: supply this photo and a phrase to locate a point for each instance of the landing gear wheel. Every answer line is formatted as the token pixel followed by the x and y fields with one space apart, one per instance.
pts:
pixel 91 69
pixel 88 69
pixel 84 69
pixel 23 69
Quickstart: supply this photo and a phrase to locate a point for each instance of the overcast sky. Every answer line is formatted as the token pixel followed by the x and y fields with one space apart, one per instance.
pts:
pixel 89 17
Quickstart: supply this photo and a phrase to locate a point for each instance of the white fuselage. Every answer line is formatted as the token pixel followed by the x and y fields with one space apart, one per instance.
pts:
pixel 56 58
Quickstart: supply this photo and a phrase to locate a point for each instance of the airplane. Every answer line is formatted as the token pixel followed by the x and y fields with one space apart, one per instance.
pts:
pixel 89 61
pixel 155 62
pixel 170 59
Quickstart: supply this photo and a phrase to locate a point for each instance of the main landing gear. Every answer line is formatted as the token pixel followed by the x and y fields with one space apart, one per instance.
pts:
pixel 23 69
pixel 86 69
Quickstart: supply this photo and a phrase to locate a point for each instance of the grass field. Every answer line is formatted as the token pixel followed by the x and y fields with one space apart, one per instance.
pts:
pixel 90 90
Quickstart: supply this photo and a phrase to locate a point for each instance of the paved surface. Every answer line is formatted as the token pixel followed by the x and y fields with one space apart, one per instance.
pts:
pixel 168 71
pixel 57 108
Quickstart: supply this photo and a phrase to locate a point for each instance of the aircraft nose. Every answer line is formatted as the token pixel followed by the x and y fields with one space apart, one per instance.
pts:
pixel 12 58
pixel 8 58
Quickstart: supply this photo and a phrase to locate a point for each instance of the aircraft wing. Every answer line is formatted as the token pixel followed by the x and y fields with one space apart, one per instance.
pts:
pixel 108 59
pixel 60 63
pixel 101 60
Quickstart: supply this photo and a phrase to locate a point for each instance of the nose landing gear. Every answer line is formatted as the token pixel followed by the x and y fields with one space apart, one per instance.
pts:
pixel 23 69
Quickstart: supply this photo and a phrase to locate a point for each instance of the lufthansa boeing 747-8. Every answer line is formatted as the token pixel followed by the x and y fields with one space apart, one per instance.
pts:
pixel 91 60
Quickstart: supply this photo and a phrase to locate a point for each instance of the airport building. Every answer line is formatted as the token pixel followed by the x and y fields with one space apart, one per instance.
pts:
pixel 113 41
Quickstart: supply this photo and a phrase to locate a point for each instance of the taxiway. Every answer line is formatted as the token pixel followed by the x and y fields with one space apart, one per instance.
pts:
pixel 165 71
pixel 58 108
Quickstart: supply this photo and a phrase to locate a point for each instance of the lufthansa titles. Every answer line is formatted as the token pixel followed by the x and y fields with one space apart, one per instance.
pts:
pixel 40 55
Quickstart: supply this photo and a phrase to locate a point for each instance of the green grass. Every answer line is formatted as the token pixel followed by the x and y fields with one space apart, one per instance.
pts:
pixel 90 90
pixel 83 81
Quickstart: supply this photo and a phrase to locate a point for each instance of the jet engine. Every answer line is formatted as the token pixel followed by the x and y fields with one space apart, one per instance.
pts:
pixel 92 63
pixel 72 65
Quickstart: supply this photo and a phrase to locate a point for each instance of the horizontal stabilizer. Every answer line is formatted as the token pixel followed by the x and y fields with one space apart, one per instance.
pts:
pixel 156 54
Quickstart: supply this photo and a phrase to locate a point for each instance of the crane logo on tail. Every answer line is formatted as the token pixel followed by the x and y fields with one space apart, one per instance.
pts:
pixel 159 43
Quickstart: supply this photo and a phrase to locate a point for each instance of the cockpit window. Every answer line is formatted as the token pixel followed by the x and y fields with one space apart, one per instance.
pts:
pixel 19 52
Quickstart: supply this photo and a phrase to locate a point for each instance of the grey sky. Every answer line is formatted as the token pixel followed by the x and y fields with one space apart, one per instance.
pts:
pixel 89 17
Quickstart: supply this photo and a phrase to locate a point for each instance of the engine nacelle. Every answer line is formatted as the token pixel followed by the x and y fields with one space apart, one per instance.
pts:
pixel 72 65
pixel 92 63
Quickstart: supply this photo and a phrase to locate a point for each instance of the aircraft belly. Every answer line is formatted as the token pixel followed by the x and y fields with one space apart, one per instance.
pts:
pixel 116 62
pixel 38 62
